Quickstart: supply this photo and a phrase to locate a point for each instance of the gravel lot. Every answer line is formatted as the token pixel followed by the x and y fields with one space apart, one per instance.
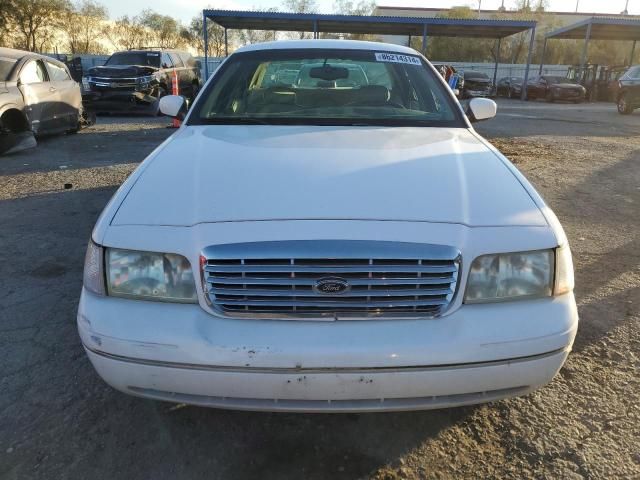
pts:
pixel 59 420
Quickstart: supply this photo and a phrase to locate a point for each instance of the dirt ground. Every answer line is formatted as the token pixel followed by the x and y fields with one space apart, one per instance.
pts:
pixel 59 420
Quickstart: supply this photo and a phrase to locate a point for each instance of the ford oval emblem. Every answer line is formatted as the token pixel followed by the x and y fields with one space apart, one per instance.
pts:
pixel 331 286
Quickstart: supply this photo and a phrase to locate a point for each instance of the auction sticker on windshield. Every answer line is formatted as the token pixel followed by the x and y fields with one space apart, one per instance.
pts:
pixel 395 58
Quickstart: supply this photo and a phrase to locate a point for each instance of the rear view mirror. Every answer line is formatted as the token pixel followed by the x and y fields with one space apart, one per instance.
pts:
pixel 329 73
pixel 481 109
pixel 173 106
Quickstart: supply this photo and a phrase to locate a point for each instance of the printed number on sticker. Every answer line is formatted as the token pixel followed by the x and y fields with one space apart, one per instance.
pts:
pixel 395 58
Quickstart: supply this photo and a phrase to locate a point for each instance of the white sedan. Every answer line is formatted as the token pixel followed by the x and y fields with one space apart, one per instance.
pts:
pixel 334 239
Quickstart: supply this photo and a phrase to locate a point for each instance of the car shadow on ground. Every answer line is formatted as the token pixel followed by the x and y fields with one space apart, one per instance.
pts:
pixel 83 425
pixel 607 282
pixel 91 147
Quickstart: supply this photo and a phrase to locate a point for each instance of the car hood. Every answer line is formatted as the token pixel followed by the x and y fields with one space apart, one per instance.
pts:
pixel 121 71
pixel 255 173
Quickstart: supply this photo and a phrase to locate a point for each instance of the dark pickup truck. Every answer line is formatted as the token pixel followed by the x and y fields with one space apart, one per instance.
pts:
pixel 135 80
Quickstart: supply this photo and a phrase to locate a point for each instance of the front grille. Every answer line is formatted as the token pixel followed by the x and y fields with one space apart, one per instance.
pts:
pixel 113 83
pixel 380 278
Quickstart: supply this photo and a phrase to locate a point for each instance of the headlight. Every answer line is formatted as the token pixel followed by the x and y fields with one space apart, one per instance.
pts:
pixel 510 276
pixel 146 80
pixel 164 277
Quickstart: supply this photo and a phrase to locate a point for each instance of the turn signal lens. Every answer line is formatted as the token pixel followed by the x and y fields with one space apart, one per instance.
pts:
pixel 93 277
pixel 564 282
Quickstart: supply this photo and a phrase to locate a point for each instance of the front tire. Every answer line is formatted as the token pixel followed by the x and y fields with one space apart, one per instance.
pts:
pixel 624 108
pixel 155 107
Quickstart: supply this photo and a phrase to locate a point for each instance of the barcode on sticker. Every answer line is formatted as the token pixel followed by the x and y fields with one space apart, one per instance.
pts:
pixel 396 58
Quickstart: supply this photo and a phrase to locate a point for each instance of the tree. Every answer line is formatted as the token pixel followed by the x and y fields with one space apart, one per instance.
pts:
pixel 163 29
pixel 215 34
pixel 300 6
pixel 83 24
pixel 458 49
pixel 352 7
pixel 127 33
pixel 35 21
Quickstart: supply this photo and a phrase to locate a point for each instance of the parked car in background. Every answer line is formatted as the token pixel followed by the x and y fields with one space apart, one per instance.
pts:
pixel 627 95
pixel 477 84
pixel 554 88
pixel 136 80
pixel 37 97
pixel 510 87
pixel 327 248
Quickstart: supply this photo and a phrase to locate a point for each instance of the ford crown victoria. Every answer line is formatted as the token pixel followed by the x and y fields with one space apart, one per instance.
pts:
pixel 346 243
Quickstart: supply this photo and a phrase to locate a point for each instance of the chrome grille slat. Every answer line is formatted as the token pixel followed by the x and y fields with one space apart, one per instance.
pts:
pixel 279 279
pixel 333 303
pixel 353 281
pixel 328 269
pixel 310 293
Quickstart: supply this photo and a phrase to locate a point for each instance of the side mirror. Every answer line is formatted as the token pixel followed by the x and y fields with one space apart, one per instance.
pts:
pixel 481 109
pixel 173 106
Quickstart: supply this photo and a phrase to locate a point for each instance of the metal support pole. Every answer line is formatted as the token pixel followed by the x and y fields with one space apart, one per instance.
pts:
pixel 226 43
pixel 633 51
pixel 409 42
pixel 585 50
pixel 523 95
pixel 205 36
pixel 424 39
pixel 544 52
pixel 495 70
pixel 315 29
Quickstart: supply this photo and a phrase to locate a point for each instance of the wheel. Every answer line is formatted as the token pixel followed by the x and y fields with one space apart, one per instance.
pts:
pixel 624 108
pixel 155 107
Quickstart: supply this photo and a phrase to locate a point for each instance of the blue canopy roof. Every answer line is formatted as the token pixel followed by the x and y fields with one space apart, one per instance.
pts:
pixel 602 28
pixel 381 25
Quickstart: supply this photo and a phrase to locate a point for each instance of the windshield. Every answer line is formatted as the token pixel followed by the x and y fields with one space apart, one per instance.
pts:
pixel 6 65
pixel 147 59
pixel 325 87
pixel 475 76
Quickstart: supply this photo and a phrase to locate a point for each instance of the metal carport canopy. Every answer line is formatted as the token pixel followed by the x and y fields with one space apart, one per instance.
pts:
pixel 602 28
pixel 597 28
pixel 375 25
pixel 315 22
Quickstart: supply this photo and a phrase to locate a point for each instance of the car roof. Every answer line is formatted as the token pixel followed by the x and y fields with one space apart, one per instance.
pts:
pixel 16 54
pixel 325 43
pixel 152 50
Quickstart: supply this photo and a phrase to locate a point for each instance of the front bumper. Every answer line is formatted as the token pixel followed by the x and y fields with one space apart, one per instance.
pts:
pixel 119 100
pixel 181 353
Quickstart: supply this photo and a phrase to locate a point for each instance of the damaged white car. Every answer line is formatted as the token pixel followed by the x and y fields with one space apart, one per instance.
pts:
pixel 334 239
pixel 37 97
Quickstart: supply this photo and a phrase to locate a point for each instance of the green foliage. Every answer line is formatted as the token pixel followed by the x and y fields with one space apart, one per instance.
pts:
pixel 163 30
pixel 83 23
pixel 33 23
